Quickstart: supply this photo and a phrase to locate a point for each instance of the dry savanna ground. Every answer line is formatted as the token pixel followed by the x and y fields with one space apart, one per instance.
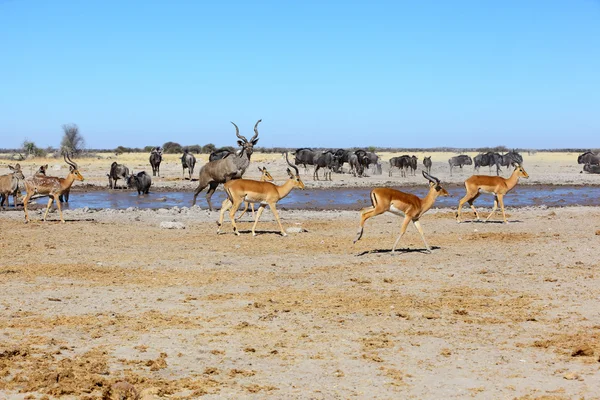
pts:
pixel 110 305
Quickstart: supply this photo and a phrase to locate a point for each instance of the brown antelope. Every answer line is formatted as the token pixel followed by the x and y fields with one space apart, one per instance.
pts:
pixel 265 193
pixel 496 185
pixel 9 184
pixel 51 186
pixel 265 177
pixel 403 204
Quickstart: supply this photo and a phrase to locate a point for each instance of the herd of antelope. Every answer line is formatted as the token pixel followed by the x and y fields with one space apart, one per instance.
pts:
pixel 229 167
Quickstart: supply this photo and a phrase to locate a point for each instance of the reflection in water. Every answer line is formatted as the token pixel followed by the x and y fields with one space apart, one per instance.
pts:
pixel 341 199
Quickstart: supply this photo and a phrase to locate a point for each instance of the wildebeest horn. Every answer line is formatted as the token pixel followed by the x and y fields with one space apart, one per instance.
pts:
pixel 256 130
pixel 237 133
pixel 290 164
pixel 430 178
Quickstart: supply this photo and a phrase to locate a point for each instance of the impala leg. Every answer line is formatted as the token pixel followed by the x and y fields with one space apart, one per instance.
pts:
pixel 493 209
pixel 261 208
pixel 402 231
pixel 276 214
pixel 50 200
pixel 252 205
pixel 244 210
pixel 56 199
pixel 501 201
pixel 25 201
pixel 473 207
pixel 226 205
pixel 470 197
pixel 417 225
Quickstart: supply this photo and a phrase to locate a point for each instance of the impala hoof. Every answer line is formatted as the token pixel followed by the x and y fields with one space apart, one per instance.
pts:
pixel 283 234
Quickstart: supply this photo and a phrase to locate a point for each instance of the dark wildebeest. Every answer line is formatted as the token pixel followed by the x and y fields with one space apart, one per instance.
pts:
pixel 488 159
pixel 219 154
pixel 141 181
pixel 427 164
pixel 413 164
pixel 400 163
pixel 188 161
pixel 592 169
pixel 305 157
pixel 355 166
pixel 588 158
pixel 64 196
pixel 117 171
pixel 233 166
pixel 155 159
pixel 9 184
pixel 459 161
pixel 343 156
pixel 510 159
pixel 326 161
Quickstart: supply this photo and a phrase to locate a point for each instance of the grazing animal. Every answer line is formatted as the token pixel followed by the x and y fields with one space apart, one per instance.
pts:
pixel 404 205
pixel 117 171
pixel 305 157
pixel 232 167
pixel 155 160
pixel 265 193
pixel 592 169
pixel 264 177
pixel 9 184
pixel 188 161
pixel 459 161
pixel 496 185
pixel 427 164
pixel 141 181
pixel 51 186
pixel 343 156
pixel 356 167
pixel 589 158
pixel 326 161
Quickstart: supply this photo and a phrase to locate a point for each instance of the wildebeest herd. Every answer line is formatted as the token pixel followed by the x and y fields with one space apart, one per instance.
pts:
pixel 228 167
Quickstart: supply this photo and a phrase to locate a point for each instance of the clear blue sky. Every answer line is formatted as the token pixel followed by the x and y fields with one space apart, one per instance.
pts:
pixel 319 73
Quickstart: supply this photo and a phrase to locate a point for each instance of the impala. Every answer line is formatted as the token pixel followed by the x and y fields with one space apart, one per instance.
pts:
pixel 265 193
pixel 403 204
pixel 264 177
pixel 51 186
pixel 496 185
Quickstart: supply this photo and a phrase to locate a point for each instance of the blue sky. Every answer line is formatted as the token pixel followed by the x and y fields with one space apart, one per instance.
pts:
pixel 319 73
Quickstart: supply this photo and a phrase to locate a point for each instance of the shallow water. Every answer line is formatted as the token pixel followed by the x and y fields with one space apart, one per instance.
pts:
pixel 338 198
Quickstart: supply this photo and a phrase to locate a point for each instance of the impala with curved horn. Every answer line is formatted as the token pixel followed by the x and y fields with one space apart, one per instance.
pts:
pixel 496 185
pixel 232 167
pixel 51 186
pixel 265 193
pixel 403 204
pixel 264 177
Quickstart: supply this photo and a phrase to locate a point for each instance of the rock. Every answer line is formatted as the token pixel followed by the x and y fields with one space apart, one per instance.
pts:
pixel 161 199
pixel 172 225
pixel 295 230
pixel 571 376
pixel 583 351
pixel 597 233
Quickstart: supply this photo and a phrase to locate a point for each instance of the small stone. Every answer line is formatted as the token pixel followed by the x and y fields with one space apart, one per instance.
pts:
pixel 172 225
pixel 295 230
pixel 571 376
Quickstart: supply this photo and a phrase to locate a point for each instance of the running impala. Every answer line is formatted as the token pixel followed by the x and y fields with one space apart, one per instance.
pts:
pixel 496 185
pixel 402 204
pixel 251 191
pixel 51 186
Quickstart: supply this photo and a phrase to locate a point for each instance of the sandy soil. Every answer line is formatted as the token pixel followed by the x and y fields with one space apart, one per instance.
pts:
pixel 496 311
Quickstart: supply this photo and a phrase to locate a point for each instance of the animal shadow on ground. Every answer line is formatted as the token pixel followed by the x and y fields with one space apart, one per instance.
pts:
pixel 258 233
pixel 389 251
pixel 495 221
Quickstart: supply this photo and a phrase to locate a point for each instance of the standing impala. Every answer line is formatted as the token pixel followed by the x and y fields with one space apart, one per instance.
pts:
pixel 496 185
pixel 51 186
pixel 265 193
pixel 264 177
pixel 403 204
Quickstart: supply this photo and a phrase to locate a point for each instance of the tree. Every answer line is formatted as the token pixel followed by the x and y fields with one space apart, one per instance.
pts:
pixel 208 148
pixel 72 140
pixel 172 148
pixel 31 150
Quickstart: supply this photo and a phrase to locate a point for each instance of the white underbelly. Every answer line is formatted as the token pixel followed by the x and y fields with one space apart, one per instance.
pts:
pixel 487 191
pixel 396 211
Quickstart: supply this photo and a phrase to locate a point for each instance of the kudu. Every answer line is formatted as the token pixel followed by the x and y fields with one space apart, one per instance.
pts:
pixel 402 204
pixel 51 186
pixel 9 184
pixel 232 167
pixel 265 193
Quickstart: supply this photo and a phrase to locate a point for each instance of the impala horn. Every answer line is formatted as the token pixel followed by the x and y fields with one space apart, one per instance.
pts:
pixel 69 161
pixel 237 133
pixel 430 178
pixel 290 164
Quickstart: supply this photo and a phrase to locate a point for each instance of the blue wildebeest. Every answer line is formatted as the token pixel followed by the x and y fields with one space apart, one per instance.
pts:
pixel 588 158
pixel 459 161
pixel 343 156
pixel 326 161
pixel 9 184
pixel 510 159
pixel 305 157
pixel 117 171
pixel 398 162
pixel 141 181
pixel 356 167
pixel 427 164
pixel 188 161
pixel 488 159
pixel 592 169
pixel 231 167
pixel 155 160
